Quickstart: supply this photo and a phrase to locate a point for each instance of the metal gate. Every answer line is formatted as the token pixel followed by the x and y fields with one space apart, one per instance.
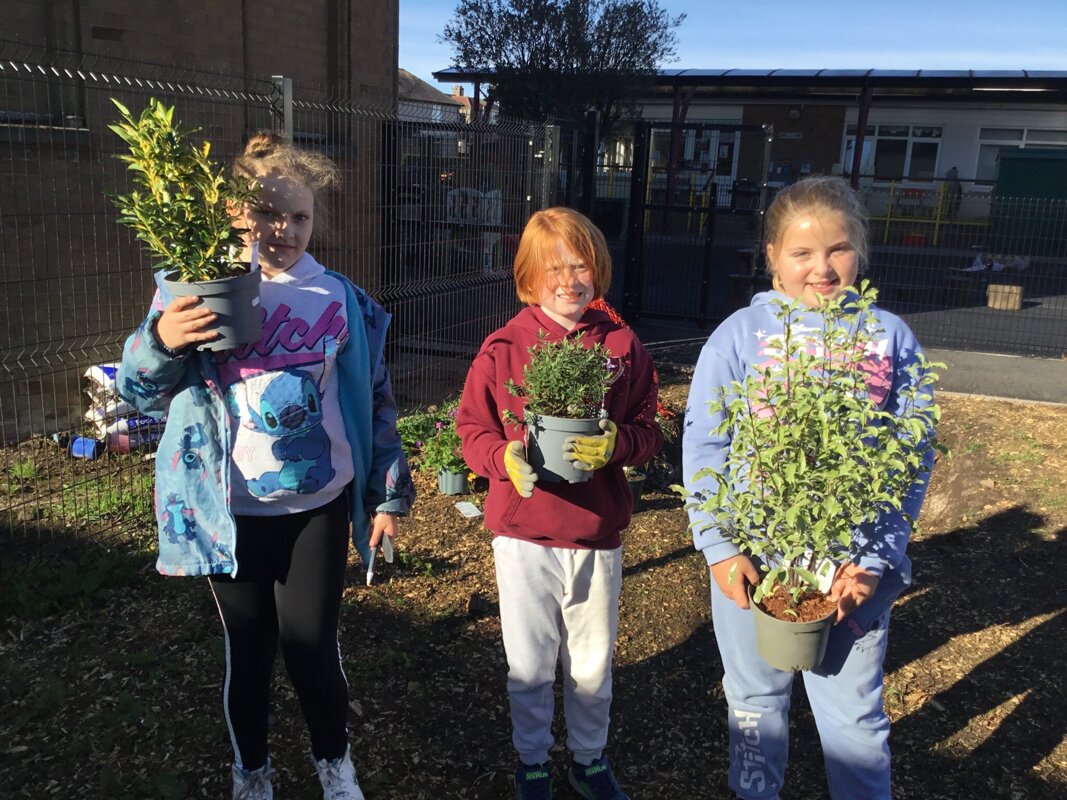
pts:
pixel 694 220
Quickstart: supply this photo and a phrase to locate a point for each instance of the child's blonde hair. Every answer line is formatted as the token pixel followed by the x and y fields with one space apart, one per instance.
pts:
pixel 539 249
pixel 815 195
pixel 268 153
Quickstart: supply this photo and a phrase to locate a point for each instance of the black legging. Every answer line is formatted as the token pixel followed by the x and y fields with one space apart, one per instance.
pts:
pixel 288 588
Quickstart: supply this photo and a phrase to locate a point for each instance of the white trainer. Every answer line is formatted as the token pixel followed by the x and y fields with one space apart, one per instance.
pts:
pixel 338 778
pixel 253 785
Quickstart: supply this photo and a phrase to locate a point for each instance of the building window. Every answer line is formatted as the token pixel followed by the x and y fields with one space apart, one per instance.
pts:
pixel 992 141
pixel 893 152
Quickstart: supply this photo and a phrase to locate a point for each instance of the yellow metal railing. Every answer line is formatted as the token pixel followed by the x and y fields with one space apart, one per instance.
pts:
pixel 915 206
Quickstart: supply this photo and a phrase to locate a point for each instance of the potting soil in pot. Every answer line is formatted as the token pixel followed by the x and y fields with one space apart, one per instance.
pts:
pixel 812 606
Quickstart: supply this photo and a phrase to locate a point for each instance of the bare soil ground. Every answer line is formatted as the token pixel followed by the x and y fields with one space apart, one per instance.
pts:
pixel 120 697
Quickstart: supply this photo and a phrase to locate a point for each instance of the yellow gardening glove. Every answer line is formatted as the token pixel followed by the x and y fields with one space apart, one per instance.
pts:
pixel 590 453
pixel 521 473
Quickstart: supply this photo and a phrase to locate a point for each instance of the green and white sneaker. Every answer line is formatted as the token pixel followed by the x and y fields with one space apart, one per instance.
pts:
pixel 533 782
pixel 596 781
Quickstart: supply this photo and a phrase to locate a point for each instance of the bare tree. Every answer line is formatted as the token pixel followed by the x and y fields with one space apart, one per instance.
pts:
pixel 560 58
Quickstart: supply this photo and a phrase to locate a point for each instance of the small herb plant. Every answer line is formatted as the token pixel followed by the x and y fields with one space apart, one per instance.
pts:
pixel 444 450
pixel 183 211
pixel 812 457
pixel 565 379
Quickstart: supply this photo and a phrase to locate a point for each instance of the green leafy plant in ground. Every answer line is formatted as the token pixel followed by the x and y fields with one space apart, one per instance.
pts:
pixel 812 457
pixel 183 211
pixel 101 500
pixel 24 470
pixel 565 379
pixel 419 427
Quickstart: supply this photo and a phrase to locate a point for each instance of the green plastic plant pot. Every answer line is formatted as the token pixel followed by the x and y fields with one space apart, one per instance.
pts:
pixel 790 646
pixel 236 302
pixel 451 482
pixel 544 446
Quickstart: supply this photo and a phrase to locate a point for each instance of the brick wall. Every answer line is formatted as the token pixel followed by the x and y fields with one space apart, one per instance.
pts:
pixel 75 281
pixel 348 46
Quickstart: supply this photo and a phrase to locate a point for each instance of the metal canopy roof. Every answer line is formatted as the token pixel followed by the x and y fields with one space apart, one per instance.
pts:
pixel 1032 86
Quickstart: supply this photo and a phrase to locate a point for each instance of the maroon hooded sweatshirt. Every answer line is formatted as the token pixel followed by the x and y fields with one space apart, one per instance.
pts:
pixel 579 515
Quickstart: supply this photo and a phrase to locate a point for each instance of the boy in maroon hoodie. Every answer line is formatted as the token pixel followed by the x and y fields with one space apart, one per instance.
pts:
pixel 557 546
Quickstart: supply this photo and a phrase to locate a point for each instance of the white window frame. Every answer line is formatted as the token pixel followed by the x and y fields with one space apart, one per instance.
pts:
pixel 870 147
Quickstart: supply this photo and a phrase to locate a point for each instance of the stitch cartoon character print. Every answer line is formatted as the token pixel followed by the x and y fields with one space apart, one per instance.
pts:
pixel 876 363
pixel 290 411
pixel 178 521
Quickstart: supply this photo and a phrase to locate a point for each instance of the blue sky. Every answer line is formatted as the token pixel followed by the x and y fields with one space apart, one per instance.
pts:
pixel 792 34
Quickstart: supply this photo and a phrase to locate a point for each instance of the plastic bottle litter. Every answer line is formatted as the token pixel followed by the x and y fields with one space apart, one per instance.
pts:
pixel 84 447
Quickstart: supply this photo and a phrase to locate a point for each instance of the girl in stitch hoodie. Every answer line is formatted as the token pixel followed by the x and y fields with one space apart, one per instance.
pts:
pixel 270 452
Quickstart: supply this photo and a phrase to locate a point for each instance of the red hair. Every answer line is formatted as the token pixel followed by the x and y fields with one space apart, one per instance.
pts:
pixel 539 249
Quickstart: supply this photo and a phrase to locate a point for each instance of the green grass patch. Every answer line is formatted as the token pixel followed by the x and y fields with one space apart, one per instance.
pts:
pixel 1055 500
pixel 24 470
pixel 1028 457
pixel 101 500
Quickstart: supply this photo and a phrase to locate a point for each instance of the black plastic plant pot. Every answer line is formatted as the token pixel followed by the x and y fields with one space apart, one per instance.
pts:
pixel 544 446
pixel 790 646
pixel 451 482
pixel 234 299
pixel 637 485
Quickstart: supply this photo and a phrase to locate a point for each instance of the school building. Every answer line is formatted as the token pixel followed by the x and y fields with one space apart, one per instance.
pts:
pixel 917 125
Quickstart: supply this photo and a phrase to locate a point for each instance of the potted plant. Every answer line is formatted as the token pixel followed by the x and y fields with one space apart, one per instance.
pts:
pixel 637 477
pixel 442 454
pixel 183 212
pixel 812 458
pixel 564 387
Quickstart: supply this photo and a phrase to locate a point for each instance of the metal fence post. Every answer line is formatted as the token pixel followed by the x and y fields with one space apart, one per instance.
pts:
pixel 550 166
pixel 590 148
pixel 528 187
pixel 635 228
pixel 768 143
pixel 281 104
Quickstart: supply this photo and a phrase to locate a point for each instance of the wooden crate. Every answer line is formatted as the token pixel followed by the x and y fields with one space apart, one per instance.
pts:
pixel 1004 297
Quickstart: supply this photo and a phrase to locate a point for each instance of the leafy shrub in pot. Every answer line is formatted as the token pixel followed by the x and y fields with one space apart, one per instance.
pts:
pixel 443 452
pixel 183 212
pixel 812 456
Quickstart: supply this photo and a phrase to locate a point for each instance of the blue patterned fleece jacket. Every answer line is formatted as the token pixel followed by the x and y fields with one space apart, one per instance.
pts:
pixel 197 530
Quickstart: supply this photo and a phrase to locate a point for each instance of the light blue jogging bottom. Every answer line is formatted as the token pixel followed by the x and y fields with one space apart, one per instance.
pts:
pixel 845 693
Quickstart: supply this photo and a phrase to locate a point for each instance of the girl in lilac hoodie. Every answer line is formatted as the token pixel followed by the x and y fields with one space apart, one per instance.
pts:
pixel 816 246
